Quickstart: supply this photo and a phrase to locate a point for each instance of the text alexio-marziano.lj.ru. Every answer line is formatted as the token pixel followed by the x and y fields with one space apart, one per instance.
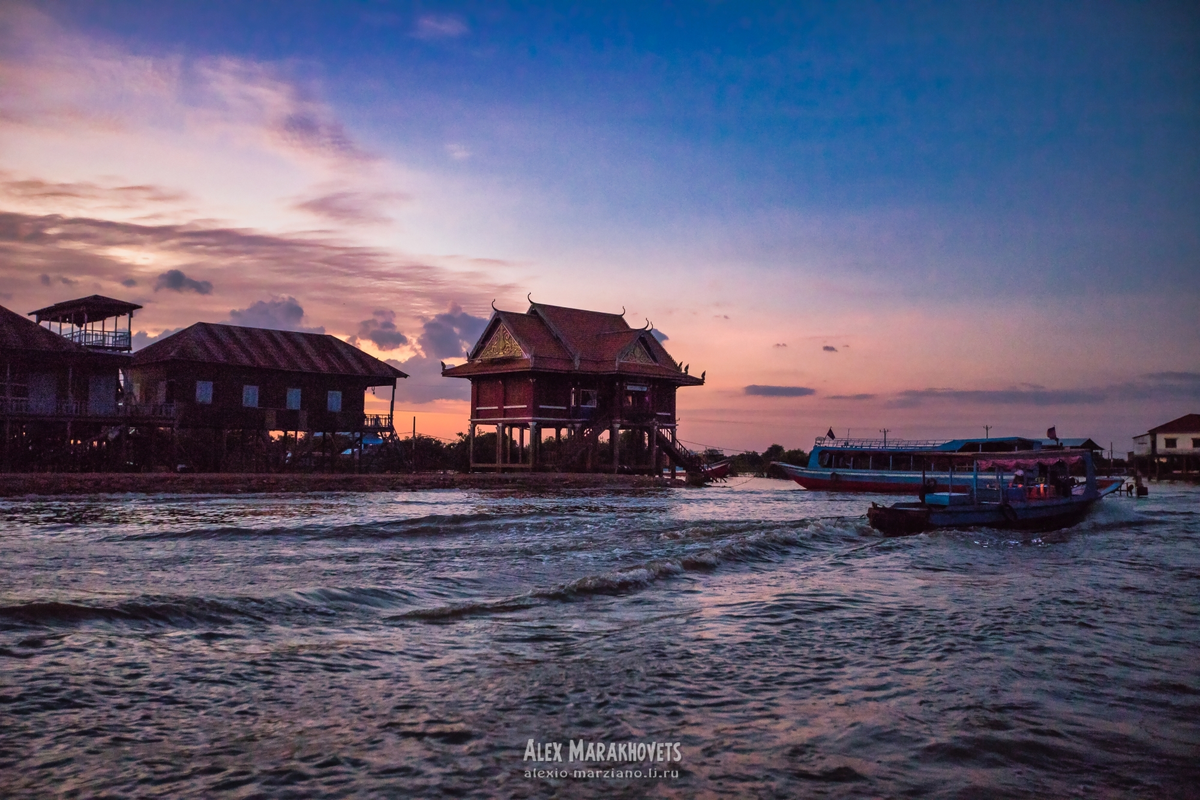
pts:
pixel 607 752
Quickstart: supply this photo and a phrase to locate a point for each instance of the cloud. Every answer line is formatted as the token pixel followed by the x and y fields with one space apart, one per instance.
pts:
pixel 56 79
pixel 353 208
pixel 440 26
pixel 142 338
pixel 1153 386
pixel 657 334
pixel 458 152
pixel 852 397
pixel 46 280
pixel 779 344
pixel 176 281
pixel 779 391
pixel 108 196
pixel 829 349
pixel 241 260
pixel 129 283
pixel 445 335
pixel 278 313
pixel 381 331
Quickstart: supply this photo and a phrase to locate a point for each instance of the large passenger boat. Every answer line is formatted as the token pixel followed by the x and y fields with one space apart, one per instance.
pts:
pixel 903 466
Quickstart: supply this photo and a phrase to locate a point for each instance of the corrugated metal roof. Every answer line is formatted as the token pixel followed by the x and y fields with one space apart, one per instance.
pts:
pixel 21 335
pixel 91 308
pixel 260 348
pixel 559 339
pixel 1188 423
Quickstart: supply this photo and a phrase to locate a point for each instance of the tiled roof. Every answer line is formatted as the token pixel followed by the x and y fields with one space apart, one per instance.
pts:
pixel 290 351
pixel 558 339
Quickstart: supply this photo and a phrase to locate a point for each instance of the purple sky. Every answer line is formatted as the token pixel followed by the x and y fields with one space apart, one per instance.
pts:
pixel 922 218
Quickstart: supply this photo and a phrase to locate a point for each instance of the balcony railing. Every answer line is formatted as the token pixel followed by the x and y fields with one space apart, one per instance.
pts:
pixel 377 422
pixel 76 408
pixel 880 444
pixel 104 340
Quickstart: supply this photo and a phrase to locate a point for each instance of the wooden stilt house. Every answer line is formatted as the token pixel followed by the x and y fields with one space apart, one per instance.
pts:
pixel 61 391
pixel 554 381
pixel 232 387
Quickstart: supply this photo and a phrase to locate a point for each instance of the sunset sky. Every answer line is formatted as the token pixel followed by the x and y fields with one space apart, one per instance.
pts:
pixel 922 217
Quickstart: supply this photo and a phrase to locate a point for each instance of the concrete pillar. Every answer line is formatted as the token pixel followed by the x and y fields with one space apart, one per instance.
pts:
pixel 615 435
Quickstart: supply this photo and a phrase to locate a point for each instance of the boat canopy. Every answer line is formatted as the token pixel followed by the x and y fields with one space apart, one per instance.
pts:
pixel 1028 460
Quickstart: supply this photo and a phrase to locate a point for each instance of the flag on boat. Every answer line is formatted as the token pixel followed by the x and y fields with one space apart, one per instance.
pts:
pixel 1052 433
pixel 830 434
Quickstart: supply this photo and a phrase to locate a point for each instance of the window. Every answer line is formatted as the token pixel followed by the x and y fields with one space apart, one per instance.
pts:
pixel 334 401
pixel 1170 444
pixel 250 396
pixel 1196 444
pixel 293 399
pixel 204 392
pixel 589 398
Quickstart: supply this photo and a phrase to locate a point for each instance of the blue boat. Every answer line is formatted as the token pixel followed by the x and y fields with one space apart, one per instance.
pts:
pixel 1031 491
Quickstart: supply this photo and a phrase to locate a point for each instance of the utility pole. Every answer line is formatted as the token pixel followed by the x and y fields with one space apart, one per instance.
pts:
pixel 884 431
pixel 987 431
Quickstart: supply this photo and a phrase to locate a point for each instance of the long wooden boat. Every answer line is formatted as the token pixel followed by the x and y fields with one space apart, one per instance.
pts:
pixel 1044 493
pixel 900 466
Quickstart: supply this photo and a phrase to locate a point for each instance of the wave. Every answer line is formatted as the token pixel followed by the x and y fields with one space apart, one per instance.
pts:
pixel 759 546
pixel 180 611
pixel 428 525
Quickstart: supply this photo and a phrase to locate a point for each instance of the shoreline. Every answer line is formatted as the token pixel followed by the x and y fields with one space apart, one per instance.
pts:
pixel 92 483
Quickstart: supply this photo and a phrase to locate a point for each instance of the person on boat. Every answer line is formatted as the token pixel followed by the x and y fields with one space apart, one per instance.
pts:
pixel 1018 479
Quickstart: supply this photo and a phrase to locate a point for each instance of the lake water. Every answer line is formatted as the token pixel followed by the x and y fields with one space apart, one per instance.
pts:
pixel 391 645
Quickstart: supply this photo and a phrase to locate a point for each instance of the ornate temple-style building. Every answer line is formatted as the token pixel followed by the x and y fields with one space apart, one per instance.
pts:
pixel 554 380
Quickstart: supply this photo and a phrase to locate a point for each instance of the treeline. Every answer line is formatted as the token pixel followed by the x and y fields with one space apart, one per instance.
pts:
pixel 759 464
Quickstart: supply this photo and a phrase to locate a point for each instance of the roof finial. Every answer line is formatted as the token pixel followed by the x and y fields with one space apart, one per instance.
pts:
pixel 529 298
pixel 622 311
pixel 649 325
pixel 494 305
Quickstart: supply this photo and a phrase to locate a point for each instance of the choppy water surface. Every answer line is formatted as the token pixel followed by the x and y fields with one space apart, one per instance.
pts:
pixel 412 644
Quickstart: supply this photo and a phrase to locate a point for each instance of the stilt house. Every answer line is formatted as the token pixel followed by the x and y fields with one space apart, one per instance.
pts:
pixel 252 381
pixel 61 398
pixel 552 381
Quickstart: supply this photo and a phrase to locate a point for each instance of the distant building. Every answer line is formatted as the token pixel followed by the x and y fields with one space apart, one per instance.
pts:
pixel 253 381
pixel 553 380
pixel 1174 445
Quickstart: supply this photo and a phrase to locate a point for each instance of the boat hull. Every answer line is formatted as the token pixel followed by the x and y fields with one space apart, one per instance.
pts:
pixel 873 481
pixel 906 519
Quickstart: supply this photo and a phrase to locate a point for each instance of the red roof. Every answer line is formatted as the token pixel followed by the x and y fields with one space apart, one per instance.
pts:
pixel 558 339
pixel 1188 423
pixel 260 348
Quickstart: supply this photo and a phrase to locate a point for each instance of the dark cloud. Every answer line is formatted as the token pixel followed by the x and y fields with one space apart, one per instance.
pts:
pixel 851 397
pixel 246 260
pixel 829 349
pixel 380 330
pixel 176 281
pixel 657 334
pixel 353 208
pixel 44 279
pixel 129 283
pixel 278 313
pixel 446 335
pixel 779 344
pixel 779 391
pixel 1174 377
